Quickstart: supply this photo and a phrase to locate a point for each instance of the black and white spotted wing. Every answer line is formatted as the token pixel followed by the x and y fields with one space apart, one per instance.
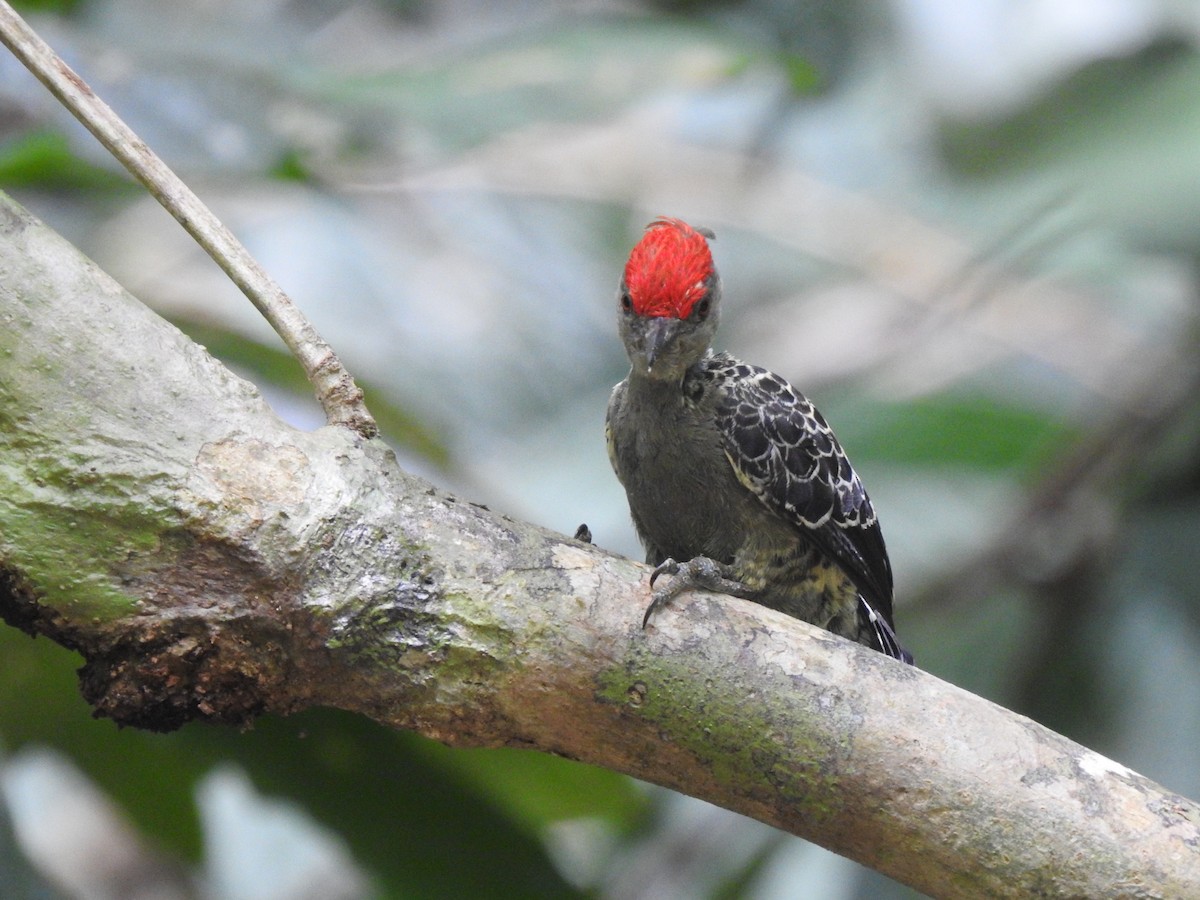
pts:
pixel 783 450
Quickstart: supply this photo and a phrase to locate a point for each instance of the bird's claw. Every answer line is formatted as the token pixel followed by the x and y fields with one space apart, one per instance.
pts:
pixel 654 604
pixel 667 567
pixel 665 594
pixel 700 572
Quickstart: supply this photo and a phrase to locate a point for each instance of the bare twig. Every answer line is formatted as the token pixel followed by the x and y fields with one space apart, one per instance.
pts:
pixel 335 389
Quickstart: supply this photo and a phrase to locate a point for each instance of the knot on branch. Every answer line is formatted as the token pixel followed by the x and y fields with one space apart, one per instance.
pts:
pixel 224 662
pixel 174 673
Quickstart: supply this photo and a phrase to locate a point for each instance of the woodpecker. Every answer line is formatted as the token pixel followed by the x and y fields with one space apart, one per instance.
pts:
pixel 736 483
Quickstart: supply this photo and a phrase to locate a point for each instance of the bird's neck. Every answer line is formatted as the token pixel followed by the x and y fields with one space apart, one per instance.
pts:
pixel 661 384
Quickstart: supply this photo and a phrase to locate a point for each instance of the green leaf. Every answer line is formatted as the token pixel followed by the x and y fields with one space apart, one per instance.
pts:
pixel 144 773
pixel 420 832
pixel 44 159
pixel 290 167
pixel 539 789
pixel 1118 136
pixel 59 7
pixel 960 428
pixel 804 78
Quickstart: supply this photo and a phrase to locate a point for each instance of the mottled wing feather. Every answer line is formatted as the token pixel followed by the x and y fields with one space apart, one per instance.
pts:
pixel 782 449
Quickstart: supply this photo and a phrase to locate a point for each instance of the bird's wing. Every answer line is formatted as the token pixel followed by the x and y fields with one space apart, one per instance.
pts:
pixel 782 449
pixel 615 399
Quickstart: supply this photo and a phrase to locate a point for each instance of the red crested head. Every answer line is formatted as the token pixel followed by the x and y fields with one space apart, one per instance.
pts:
pixel 669 270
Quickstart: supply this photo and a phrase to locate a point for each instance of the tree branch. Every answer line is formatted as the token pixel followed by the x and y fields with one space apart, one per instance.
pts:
pixel 210 562
pixel 339 396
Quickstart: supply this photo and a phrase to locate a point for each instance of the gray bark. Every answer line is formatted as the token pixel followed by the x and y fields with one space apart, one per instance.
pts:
pixel 211 562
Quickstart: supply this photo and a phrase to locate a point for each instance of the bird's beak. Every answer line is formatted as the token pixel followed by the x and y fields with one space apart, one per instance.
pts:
pixel 660 331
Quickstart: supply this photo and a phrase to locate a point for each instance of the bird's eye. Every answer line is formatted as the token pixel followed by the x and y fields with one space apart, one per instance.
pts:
pixel 626 301
pixel 702 309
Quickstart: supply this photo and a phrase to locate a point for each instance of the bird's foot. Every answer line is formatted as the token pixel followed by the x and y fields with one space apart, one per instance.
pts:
pixel 700 572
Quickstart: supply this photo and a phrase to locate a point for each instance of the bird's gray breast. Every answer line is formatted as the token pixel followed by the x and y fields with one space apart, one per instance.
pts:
pixel 669 454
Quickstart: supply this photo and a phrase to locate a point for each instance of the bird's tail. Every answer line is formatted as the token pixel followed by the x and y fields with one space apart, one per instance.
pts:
pixel 884 635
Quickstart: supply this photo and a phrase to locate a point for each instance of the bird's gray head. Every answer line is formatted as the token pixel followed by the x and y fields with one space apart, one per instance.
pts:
pixel 668 301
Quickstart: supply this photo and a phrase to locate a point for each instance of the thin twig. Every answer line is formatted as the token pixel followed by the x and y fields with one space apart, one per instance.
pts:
pixel 339 396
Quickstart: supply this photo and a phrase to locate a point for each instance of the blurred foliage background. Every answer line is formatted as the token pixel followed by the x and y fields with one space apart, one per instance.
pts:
pixel 969 231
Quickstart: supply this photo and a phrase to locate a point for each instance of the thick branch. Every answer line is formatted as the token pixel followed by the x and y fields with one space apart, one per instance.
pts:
pixel 210 562
pixel 339 396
